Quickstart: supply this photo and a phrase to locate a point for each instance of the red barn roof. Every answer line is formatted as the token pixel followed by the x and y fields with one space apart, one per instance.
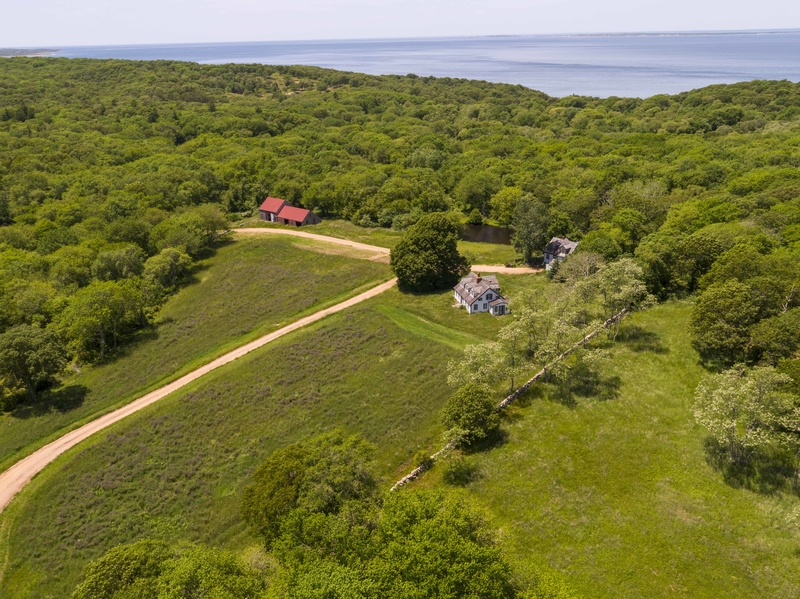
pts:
pixel 272 205
pixel 293 213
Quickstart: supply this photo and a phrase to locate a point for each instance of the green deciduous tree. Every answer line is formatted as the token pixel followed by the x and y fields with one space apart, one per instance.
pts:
pixel 317 476
pixel 504 204
pixel 480 363
pixel 470 414
pixel 620 287
pixel 436 546
pixel 30 356
pixel 162 273
pixel 151 569
pixel 193 230
pixel 126 571
pixel 426 257
pixel 530 224
pixel 603 242
pixel 98 314
pixel 776 337
pixel 475 190
pixel 721 321
pixel 118 264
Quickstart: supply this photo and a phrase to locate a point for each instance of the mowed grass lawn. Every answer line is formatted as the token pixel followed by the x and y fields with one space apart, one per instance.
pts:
pixel 611 487
pixel 176 470
pixel 248 288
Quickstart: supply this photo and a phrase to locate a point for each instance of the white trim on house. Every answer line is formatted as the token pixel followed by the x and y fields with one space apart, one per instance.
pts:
pixel 480 294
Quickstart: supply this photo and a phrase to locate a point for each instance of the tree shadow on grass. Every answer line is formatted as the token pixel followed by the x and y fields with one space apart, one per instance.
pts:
pixel 767 472
pixel 583 381
pixel 130 343
pixel 496 438
pixel 639 340
pixel 588 382
pixel 460 471
pixel 62 399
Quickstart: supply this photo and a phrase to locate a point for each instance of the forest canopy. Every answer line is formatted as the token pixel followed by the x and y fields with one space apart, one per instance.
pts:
pixel 115 175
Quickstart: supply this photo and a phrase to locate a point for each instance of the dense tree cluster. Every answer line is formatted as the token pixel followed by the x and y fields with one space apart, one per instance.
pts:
pixel 315 506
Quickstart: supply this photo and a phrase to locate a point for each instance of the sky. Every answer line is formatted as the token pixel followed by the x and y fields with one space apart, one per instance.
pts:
pixel 58 23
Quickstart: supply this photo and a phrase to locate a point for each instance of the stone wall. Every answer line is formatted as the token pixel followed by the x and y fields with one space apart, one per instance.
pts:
pixel 416 472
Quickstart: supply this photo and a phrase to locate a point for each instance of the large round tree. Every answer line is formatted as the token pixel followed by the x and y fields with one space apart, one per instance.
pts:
pixel 427 258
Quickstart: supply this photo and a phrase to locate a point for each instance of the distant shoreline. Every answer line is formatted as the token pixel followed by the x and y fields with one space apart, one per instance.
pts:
pixel 38 52
pixel 27 52
pixel 629 65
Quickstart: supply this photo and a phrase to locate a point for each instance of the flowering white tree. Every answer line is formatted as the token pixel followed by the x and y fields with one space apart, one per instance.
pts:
pixel 743 409
pixel 620 286
pixel 481 364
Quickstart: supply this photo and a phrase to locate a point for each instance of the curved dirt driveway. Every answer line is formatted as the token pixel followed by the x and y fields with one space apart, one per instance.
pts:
pixel 13 480
pixel 506 270
pixel 20 474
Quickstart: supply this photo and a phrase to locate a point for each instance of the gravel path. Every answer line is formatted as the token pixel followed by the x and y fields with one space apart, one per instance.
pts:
pixel 20 474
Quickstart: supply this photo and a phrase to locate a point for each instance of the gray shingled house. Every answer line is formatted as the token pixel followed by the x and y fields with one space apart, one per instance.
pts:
pixel 481 294
pixel 558 249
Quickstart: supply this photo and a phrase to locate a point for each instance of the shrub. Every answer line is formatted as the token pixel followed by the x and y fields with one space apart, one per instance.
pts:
pixel 471 412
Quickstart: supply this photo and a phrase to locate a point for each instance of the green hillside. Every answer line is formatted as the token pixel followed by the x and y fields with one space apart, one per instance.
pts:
pixel 118 183
pixel 176 470
pixel 248 288
pixel 610 484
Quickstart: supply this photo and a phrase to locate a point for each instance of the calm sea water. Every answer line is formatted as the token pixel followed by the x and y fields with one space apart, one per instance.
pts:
pixel 598 65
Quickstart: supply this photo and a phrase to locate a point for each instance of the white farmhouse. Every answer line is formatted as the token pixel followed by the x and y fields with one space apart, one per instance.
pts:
pixel 481 294
pixel 558 249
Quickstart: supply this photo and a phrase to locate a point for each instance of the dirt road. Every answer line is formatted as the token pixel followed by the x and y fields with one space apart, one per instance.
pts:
pixel 519 270
pixel 20 474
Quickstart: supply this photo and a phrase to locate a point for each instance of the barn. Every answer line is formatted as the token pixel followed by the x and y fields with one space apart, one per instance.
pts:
pixel 296 217
pixel 269 209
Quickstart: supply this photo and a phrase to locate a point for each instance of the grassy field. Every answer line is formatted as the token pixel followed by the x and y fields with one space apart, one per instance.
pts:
pixel 606 480
pixel 248 288
pixel 175 470
pixel 480 253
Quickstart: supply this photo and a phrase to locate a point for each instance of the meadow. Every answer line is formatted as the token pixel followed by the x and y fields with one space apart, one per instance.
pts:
pixel 606 480
pixel 476 252
pixel 246 289
pixel 176 470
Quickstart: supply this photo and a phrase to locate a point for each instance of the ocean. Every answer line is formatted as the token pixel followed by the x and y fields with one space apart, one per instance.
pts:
pixel 639 65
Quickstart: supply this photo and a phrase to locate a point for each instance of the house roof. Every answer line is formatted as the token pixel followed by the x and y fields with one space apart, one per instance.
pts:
pixel 272 205
pixel 293 213
pixel 560 246
pixel 498 301
pixel 473 286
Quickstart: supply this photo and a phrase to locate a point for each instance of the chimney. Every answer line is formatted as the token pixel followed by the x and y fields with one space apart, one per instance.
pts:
pixel 478 278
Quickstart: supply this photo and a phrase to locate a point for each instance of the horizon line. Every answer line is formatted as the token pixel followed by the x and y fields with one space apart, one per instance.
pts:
pixel 659 33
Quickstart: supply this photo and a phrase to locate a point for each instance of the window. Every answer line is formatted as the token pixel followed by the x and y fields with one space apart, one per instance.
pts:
pixel 488 296
pixel 484 306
